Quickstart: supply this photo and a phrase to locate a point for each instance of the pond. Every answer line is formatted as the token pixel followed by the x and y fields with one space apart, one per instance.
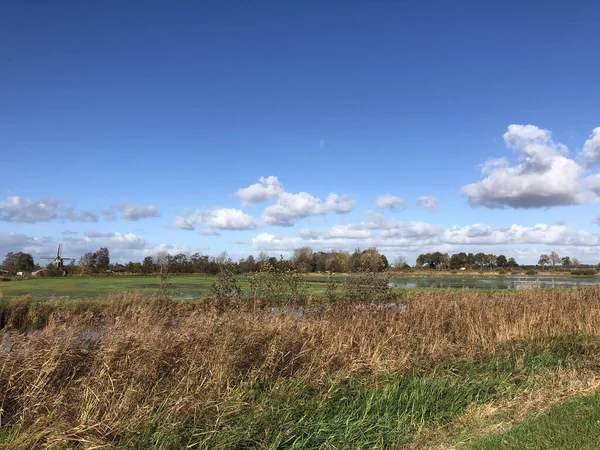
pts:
pixel 499 282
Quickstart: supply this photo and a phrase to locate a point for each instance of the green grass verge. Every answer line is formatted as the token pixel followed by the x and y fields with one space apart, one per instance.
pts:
pixel 574 424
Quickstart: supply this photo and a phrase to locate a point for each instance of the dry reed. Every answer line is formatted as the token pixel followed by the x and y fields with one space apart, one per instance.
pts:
pixel 94 376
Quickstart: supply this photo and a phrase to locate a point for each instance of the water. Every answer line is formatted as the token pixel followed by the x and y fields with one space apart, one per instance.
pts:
pixel 500 282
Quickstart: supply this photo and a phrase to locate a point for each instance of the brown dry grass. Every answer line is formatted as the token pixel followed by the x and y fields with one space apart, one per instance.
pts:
pixel 148 361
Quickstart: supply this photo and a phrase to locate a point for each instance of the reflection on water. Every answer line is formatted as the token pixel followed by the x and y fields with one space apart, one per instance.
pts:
pixel 502 282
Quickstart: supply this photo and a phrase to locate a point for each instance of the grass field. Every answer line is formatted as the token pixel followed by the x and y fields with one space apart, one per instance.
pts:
pixel 180 286
pixel 195 286
pixel 454 368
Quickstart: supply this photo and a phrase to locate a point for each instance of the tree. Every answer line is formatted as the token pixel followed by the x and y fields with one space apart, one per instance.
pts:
pixel 459 260
pixel 18 262
pixel 566 261
pixel 512 262
pixel 147 265
pixel 222 258
pixel 162 260
pixel 480 259
pixel 102 260
pixel 399 262
pixel 575 262
pixel 87 263
pixel 544 260
pixel 554 259
pixel 501 261
pixel 302 259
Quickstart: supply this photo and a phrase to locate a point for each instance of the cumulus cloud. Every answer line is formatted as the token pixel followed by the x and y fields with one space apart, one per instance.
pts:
pixel 427 202
pixel 109 213
pixel 21 210
pixel 413 238
pixel 291 207
pixel 591 148
pixel 208 233
pixel 216 218
pixel 544 176
pixel 389 201
pixel 130 211
pixel 122 246
pixel 85 216
pixel 266 188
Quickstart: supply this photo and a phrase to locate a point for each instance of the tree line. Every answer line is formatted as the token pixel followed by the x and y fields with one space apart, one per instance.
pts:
pixel 457 261
pixel 303 260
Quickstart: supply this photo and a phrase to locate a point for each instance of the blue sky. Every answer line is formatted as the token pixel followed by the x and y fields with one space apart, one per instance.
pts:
pixel 138 126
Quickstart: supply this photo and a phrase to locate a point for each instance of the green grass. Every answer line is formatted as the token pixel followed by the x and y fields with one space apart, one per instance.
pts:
pixel 195 286
pixel 192 286
pixel 574 424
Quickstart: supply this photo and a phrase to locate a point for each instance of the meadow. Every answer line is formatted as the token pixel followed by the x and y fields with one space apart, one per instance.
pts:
pixel 427 368
pixel 195 286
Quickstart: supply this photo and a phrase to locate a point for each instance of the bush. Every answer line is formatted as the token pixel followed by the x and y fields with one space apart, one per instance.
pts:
pixel 367 285
pixel 531 272
pixel 585 272
pixel 225 288
pixel 501 271
pixel 278 285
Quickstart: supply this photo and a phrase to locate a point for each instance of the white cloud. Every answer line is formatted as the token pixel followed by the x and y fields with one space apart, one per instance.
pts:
pixel 544 176
pixel 109 213
pixel 208 233
pixel 266 188
pixel 130 211
pixel 389 201
pixel 21 210
pixel 591 148
pixel 427 202
pixel 85 216
pixel 419 237
pixel 291 207
pixel 216 218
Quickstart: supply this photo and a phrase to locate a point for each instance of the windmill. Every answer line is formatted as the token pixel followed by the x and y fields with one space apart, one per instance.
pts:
pixel 59 260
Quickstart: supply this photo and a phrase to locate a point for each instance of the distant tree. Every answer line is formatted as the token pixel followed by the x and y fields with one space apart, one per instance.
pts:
pixel 87 263
pixel 575 262
pixel 512 262
pixel 102 260
pixel 544 260
pixel 480 260
pixel 554 259
pixel 459 260
pixel 161 261
pixel 399 262
pixel 18 262
pixel 222 258
pixel 147 265
pixel 501 261
pixel 566 261
pixel 52 271
pixel 302 259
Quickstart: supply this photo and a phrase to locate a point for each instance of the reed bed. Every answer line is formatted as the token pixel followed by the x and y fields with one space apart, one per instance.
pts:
pixel 101 374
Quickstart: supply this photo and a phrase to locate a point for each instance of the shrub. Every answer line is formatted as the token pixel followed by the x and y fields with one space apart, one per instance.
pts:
pixel 367 285
pixel 502 271
pixel 584 272
pixel 225 288
pixel 278 285
pixel 531 272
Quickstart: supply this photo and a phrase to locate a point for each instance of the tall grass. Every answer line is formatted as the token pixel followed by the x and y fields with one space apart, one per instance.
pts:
pixel 143 373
